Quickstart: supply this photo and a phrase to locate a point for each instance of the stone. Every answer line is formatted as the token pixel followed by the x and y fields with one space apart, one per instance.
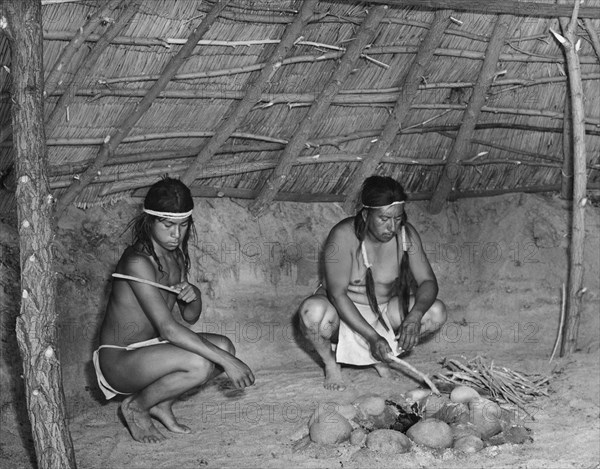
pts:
pixel 463 394
pixel 330 429
pixel 486 416
pixel 370 405
pixel 358 437
pixel 434 403
pixel 460 430
pixel 469 444
pixel 432 433
pixel 455 412
pixel 388 441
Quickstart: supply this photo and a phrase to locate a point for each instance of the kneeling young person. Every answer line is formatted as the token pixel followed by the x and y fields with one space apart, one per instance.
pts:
pixel 147 350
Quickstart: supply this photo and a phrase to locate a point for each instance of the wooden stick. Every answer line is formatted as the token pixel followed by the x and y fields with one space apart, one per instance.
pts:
pixel 88 63
pixel 593 36
pixel 280 174
pixel 147 282
pixel 570 44
pixel 63 63
pixel 502 29
pixel 561 323
pixel 127 123
pixel 335 141
pixel 507 7
pixel 409 88
pixel 253 93
pixel 408 366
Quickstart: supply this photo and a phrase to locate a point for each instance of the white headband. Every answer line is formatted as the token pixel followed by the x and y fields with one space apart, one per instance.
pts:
pixel 176 216
pixel 397 202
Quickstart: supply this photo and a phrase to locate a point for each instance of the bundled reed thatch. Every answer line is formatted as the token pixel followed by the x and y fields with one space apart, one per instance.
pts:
pixel 259 70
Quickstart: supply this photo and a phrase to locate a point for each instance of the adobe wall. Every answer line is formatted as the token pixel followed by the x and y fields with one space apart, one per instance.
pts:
pixel 500 263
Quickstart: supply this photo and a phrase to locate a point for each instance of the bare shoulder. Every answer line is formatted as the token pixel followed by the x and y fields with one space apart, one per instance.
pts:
pixel 343 231
pixel 136 263
pixel 412 231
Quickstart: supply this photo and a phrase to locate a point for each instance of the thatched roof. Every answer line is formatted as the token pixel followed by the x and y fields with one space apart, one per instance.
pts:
pixel 314 114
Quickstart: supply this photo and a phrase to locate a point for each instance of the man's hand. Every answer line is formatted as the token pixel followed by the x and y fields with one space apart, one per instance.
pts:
pixel 380 349
pixel 187 293
pixel 409 333
pixel 238 372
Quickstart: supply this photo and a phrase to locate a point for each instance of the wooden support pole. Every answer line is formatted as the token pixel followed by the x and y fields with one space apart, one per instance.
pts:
pixel 502 29
pixel 566 176
pixel 37 322
pixel 113 140
pixel 575 289
pixel 60 109
pixel 408 90
pixel 253 94
pixel 317 110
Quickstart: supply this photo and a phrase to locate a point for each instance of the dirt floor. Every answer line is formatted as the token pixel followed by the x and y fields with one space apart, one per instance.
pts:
pixel 263 426
pixel 509 316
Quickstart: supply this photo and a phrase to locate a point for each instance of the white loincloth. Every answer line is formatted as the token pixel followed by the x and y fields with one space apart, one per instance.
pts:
pixel 352 348
pixel 107 389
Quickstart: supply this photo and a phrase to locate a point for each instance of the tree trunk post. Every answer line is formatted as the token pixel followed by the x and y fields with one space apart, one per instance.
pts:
pixel 575 289
pixel 36 326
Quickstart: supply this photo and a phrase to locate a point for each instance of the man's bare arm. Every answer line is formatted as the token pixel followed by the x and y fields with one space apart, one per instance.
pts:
pixel 425 296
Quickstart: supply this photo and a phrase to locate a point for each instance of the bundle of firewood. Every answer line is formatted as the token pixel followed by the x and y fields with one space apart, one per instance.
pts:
pixel 501 383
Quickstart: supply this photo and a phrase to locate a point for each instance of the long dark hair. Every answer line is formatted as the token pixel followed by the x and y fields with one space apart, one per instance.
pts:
pixel 167 195
pixel 379 191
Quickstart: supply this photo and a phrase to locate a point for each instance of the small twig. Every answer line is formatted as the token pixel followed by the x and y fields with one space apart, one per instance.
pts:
pixel 147 282
pixel 561 322
pixel 408 366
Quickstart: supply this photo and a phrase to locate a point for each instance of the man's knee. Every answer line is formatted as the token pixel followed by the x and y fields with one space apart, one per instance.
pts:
pixel 437 314
pixel 312 311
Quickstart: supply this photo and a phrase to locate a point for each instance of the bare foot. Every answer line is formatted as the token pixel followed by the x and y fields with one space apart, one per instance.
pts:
pixel 139 423
pixel 333 378
pixel 164 414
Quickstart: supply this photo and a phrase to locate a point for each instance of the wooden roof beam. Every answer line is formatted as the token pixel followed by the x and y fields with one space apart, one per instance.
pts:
pixel 123 128
pixel 505 7
pixel 504 24
pixel 253 95
pixel 53 80
pixel 63 63
pixel 238 193
pixel 130 9
pixel 126 176
pixel 408 90
pixel 365 34
pixel 589 27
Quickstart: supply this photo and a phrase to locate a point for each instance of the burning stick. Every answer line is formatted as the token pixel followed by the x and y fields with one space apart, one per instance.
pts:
pixel 408 366
pixel 561 323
